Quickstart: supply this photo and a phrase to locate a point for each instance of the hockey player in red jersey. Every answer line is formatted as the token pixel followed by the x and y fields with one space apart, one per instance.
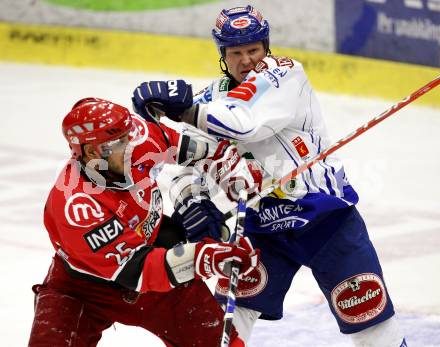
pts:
pixel 118 258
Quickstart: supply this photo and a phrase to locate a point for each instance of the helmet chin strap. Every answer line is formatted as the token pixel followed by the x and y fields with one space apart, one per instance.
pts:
pixel 224 68
pixel 223 65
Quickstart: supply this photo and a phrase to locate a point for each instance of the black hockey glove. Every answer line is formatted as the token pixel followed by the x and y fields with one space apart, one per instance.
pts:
pixel 201 218
pixel 155 99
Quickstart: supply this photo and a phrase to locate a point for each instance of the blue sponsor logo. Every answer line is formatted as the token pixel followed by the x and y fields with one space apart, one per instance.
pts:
pixel 278 218
pixel 292 222
pixel 279 72
pixel 271 78
pixel 399 30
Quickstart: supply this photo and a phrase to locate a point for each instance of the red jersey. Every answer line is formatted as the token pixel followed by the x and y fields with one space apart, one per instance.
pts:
pixel 108 232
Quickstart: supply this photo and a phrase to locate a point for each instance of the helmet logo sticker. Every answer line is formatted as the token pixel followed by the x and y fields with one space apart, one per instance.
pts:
pixel 241 23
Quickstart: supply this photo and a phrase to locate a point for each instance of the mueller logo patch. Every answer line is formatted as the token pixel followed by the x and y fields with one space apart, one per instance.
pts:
pixel 81 210
pixel 251 285
pixel 244 91
pixel 104 234
pixel 360 298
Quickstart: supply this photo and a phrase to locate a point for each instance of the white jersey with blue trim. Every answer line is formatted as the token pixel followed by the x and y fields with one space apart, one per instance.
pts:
pixel 274 114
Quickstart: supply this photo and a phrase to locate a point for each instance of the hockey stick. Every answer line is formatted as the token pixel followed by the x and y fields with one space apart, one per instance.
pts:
pixel 320 156
pixel 233 281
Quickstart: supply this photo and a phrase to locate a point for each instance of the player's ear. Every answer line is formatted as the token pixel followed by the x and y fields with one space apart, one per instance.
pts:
pixel 91 152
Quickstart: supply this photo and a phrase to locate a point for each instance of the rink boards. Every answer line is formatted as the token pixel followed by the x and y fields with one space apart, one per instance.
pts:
pixel 185 56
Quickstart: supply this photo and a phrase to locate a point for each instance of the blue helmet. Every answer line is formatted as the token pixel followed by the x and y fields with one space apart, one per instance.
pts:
pixel 240 26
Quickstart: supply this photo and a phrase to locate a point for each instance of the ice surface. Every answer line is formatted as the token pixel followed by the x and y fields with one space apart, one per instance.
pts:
pixel 395 168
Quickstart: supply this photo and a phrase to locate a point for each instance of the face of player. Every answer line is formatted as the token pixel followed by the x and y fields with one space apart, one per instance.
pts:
pixel 113 152
pixel 117 159
pixel 242 59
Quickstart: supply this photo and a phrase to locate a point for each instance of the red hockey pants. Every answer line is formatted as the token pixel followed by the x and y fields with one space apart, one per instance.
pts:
pixel 74 312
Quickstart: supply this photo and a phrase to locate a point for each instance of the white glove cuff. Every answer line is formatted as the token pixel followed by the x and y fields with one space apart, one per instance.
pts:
pixel 183 187
pixel 180 263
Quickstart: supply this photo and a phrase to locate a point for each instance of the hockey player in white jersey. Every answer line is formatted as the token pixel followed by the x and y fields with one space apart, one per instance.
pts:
pixel 267 107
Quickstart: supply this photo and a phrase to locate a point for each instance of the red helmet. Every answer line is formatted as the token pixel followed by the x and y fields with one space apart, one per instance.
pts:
pixel 95 121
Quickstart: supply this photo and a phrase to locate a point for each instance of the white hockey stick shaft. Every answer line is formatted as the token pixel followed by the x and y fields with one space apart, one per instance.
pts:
pixel 342 142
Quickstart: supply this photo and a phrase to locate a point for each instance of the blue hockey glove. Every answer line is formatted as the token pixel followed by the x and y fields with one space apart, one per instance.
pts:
pixel 155 99
pixel 201 218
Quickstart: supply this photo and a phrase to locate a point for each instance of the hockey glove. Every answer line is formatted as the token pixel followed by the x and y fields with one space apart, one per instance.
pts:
pixel 200 218
pixel 233 173
pixel 155 99
pixel 211 257
pixel 208 258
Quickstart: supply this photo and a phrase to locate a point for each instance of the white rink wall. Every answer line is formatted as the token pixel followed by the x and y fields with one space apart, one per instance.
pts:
pixel 394 167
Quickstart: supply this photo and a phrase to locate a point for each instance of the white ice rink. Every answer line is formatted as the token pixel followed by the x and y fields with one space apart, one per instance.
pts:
pixel 395 167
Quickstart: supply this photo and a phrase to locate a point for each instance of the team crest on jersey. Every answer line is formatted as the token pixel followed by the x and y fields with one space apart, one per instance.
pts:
pixel 251 285
pixel 139 132
pixel 359 298
pixel 81 210
pixel 285 190
pixel 300 147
